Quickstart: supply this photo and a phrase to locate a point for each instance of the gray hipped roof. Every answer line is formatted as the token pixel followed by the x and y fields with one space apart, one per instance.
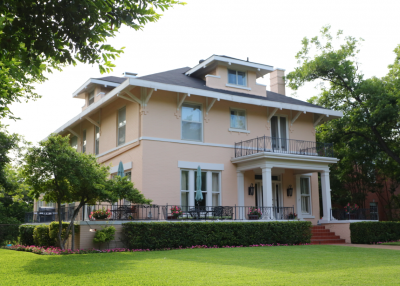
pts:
pixel 178 77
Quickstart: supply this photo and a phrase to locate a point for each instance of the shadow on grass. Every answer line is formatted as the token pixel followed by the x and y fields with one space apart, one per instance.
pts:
pixel 282 259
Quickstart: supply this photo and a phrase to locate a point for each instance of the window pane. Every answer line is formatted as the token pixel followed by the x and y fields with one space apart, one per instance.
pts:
pixel 241 78
pixel 304 186
pixel 191 131
pixel 238 119
pixel 283 132
pixel 233 118
pixel 128 175
pixel 184 201
pixel 122 117
pixel 203 181
pixel 74 142
pixel 91 97
pixel 274 132
pixel 305 204
pixel 191 113
pixel 97 140
pixel 215 199
pixel 231 76
pixel 121 135
pixel 185 180
pixel 84 142
pixel 215 182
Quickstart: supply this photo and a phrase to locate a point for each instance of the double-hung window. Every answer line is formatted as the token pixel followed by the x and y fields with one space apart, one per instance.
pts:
pixel 185 190
pixel 91 97
pixel 216 190
pixel 305 195
pixel 279 133
pixel 74 142
pixel 192 122
pixel 97 140
pixel 238 119
pixel 84 141
pixel 121 125
pixel 237 77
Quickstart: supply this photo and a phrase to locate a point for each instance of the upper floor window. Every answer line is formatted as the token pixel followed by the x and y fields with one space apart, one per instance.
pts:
pixel 91 97
pixel 74 142
pixel 279 132
pixel 238 119
pixel 84 142
pixel 192 122
pixel 121 125
pixel 237 77
pixel 97 140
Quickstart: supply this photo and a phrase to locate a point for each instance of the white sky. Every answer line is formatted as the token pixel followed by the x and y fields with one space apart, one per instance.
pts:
pixel 268 32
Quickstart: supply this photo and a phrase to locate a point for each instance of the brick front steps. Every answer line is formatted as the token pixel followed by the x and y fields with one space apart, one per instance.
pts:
pixel 320 235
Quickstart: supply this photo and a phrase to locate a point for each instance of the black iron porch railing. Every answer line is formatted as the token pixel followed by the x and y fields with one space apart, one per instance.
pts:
pixel 282 145
pixel 167 213
pixel 359 214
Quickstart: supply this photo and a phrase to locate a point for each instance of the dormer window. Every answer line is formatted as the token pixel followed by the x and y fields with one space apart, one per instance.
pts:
pixel 91 97
pixel 237 77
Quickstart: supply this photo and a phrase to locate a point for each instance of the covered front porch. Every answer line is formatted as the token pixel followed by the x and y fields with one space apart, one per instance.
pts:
pixel 284 185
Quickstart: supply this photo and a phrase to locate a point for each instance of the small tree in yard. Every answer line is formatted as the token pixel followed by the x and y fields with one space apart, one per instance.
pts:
pixel 62 175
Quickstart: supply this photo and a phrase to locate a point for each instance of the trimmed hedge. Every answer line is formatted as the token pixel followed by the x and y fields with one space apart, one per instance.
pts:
pixel 46 234
pixel 158 235
pixel 8 230
pixel 26 234
pixel 372 232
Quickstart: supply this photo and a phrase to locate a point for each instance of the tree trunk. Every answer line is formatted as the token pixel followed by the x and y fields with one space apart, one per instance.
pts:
pixel 71 224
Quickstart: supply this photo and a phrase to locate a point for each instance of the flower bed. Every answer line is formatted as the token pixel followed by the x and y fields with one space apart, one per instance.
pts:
pixel 59 251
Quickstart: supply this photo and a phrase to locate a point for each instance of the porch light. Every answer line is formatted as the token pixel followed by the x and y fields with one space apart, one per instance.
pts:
pixel 251 190
pixel 289 191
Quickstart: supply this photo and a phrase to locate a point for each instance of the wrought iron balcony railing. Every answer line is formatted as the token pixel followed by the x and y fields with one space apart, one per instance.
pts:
pixel 282 145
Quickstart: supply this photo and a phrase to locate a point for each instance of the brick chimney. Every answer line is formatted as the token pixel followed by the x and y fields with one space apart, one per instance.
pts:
pixel 276 81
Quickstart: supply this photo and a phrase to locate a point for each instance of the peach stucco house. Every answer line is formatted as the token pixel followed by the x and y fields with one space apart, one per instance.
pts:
pixel 214 115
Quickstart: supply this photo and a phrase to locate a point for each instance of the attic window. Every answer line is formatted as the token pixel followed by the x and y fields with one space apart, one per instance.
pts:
pixel 237 77
pixel 91 97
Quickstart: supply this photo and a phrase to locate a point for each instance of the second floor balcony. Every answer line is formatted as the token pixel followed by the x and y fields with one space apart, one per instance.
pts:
pixel 283 145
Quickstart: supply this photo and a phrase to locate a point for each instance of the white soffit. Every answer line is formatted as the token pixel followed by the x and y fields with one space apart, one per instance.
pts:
pixel 203 166
pixel 93 81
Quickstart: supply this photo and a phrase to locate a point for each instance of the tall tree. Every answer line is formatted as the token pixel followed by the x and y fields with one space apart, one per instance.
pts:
pixel 60 174
pixel 371 106
pixel 39 36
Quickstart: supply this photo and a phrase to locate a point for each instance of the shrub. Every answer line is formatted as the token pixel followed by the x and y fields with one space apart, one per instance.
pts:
pixel 372 232
pixel 104 235
pixel 159 235
pixel 8 230
pixel 41 236
pixel 53 231
pixel 26 234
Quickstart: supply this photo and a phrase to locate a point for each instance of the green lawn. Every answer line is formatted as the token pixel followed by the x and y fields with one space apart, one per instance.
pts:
pixel 297 265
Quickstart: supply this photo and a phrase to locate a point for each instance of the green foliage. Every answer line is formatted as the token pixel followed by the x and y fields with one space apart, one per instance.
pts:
pixel 62 175
pixel 54 228
pixel 39 36
pixel 372 232
pixel 8 230
pixel 26 234
pixel 366 139
pixel 41 236
pixel 104 235
pixel 173 235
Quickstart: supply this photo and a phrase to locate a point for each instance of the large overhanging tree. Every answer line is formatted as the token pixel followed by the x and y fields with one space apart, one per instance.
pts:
pixel 38 36
pixel 60 174
pixel 367 137
pixel 371 106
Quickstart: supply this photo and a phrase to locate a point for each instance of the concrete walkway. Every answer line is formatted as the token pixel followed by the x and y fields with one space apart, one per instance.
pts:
pixel 392 247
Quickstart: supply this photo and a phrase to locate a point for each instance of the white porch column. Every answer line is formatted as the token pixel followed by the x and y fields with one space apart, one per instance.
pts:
pixel 191 188
pixel 240 189
pixel 267 191
pixel 326 195
pixel 209 189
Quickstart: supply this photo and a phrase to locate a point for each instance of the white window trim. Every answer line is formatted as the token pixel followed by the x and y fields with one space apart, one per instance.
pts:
pixel 211 75
pixel 298 197
pixel 201 120
pixel 118 127
pixel 238 85
pixel 245 120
